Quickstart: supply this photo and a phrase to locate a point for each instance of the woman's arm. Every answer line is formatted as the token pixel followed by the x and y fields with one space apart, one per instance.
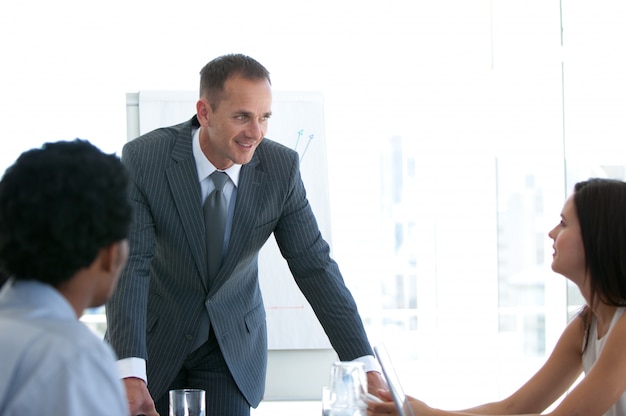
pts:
pixel 606 381
pixel 558 373
pixel 552 380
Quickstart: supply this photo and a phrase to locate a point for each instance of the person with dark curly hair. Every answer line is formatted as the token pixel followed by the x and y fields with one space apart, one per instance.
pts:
pixel 589 246
pixel 64 222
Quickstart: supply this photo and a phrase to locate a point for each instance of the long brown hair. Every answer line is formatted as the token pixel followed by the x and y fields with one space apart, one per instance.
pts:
pixel 601 208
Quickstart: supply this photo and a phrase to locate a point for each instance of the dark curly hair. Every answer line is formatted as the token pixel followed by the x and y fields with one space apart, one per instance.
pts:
pixel 59 205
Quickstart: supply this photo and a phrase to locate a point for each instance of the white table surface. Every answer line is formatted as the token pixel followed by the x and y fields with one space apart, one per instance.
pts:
pixel 288 408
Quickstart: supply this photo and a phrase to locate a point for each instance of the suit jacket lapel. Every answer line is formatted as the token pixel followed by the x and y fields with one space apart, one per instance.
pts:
pixel 183 181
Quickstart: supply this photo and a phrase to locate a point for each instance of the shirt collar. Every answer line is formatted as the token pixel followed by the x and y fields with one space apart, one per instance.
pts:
pixel 37 299
pixel 204 167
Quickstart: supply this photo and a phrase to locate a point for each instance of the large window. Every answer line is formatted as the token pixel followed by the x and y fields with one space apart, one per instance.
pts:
pixel 455 130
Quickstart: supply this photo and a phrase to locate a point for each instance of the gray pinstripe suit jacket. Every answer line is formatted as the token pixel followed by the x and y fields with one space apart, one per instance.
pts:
pixel 155 311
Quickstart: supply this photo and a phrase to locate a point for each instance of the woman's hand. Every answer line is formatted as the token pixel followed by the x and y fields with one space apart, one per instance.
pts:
pixel 388 407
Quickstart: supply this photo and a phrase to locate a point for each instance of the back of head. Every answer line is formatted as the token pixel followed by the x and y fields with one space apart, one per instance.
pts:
pixel 601 209
pixel 59 205
pixel 213 75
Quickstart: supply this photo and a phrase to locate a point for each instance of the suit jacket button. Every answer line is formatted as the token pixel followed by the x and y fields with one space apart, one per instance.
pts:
pixel 189 337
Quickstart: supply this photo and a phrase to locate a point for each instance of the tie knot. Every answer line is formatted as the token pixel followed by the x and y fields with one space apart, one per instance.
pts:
pixel 219 179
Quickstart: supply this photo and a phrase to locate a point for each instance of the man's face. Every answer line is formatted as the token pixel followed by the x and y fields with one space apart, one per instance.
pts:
pixel 230 134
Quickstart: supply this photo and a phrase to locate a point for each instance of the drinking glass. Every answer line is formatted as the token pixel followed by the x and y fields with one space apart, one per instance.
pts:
pixel 348 387
pixel 326 401
pixel 187 402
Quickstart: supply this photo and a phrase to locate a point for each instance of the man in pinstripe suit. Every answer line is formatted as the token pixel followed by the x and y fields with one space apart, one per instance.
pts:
pixel 165 302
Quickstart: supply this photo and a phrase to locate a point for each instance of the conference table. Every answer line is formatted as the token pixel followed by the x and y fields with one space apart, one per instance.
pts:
pixel 288 408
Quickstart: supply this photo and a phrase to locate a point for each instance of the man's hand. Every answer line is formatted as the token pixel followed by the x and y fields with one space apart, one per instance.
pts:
pixel 139 400
pixel 375 382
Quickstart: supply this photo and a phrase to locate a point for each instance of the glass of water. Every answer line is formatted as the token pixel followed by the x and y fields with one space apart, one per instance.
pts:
pixel 187 402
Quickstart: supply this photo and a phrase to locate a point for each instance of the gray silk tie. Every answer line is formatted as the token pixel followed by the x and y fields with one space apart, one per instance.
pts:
pixel 215 214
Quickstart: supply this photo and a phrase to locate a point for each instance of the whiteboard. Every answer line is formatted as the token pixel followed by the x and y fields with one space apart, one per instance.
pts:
pixel 297 122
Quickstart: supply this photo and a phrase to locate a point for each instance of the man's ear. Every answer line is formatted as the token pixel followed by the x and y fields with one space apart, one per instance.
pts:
pixel 203 111
pixel 106 257
pixel 113 256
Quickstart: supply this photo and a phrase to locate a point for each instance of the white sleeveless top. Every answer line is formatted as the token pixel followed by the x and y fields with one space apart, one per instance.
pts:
pixel 591 354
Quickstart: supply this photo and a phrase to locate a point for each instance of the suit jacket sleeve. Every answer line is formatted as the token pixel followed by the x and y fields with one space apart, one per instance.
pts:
pixel 126 310
pixel 317 274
